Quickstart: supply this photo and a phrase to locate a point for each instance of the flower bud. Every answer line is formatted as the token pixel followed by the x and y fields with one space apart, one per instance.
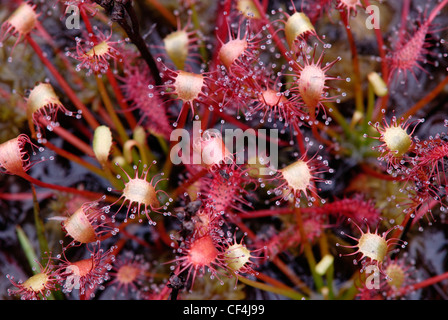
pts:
pixel 20 23
pixel 102 143
pixel 297 26
pixel 13 157
pixel 42 102
pixel 176 46
pixel 378 84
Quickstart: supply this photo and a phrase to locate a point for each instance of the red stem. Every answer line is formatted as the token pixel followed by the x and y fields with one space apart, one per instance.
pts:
pixel 381 50
pixel 185 185
pixel 300 139
pixel 425 283
pixel 59 52
pixel 163 234
pixel 159 8
pixel 236 219
pixel 356 68
pixel 370 171
pixel 110 76
pixel 121 99
pixel 426 99
pixel 23 196
pixel 436 11
pixel 404 17
pixel 281 47
pixel 221 29
pixel 64 85
pixel 233 120
pixel 264 213
pixel 164 293
pixel 140 241
pixel 87 194
pixel 74 158
pixel 382 102
pixel 67 136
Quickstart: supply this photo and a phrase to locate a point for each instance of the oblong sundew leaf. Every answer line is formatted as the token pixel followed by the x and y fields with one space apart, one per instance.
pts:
pixel 28 249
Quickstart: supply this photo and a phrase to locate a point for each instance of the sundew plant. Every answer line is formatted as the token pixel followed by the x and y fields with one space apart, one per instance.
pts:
pixel 247 150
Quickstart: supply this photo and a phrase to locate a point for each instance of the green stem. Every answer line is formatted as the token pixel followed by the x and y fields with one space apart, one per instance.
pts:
pixel 287 271
pixel 28 249
pixel 336 115
pixel 284 292
pixel 369 111
pixel 197 26
pixel 127 152
pixel 370 106
pixel 359 100
pixel 318 281
pixel 40 229
pixel 159 8
pixel 329 274
pixel 110 109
